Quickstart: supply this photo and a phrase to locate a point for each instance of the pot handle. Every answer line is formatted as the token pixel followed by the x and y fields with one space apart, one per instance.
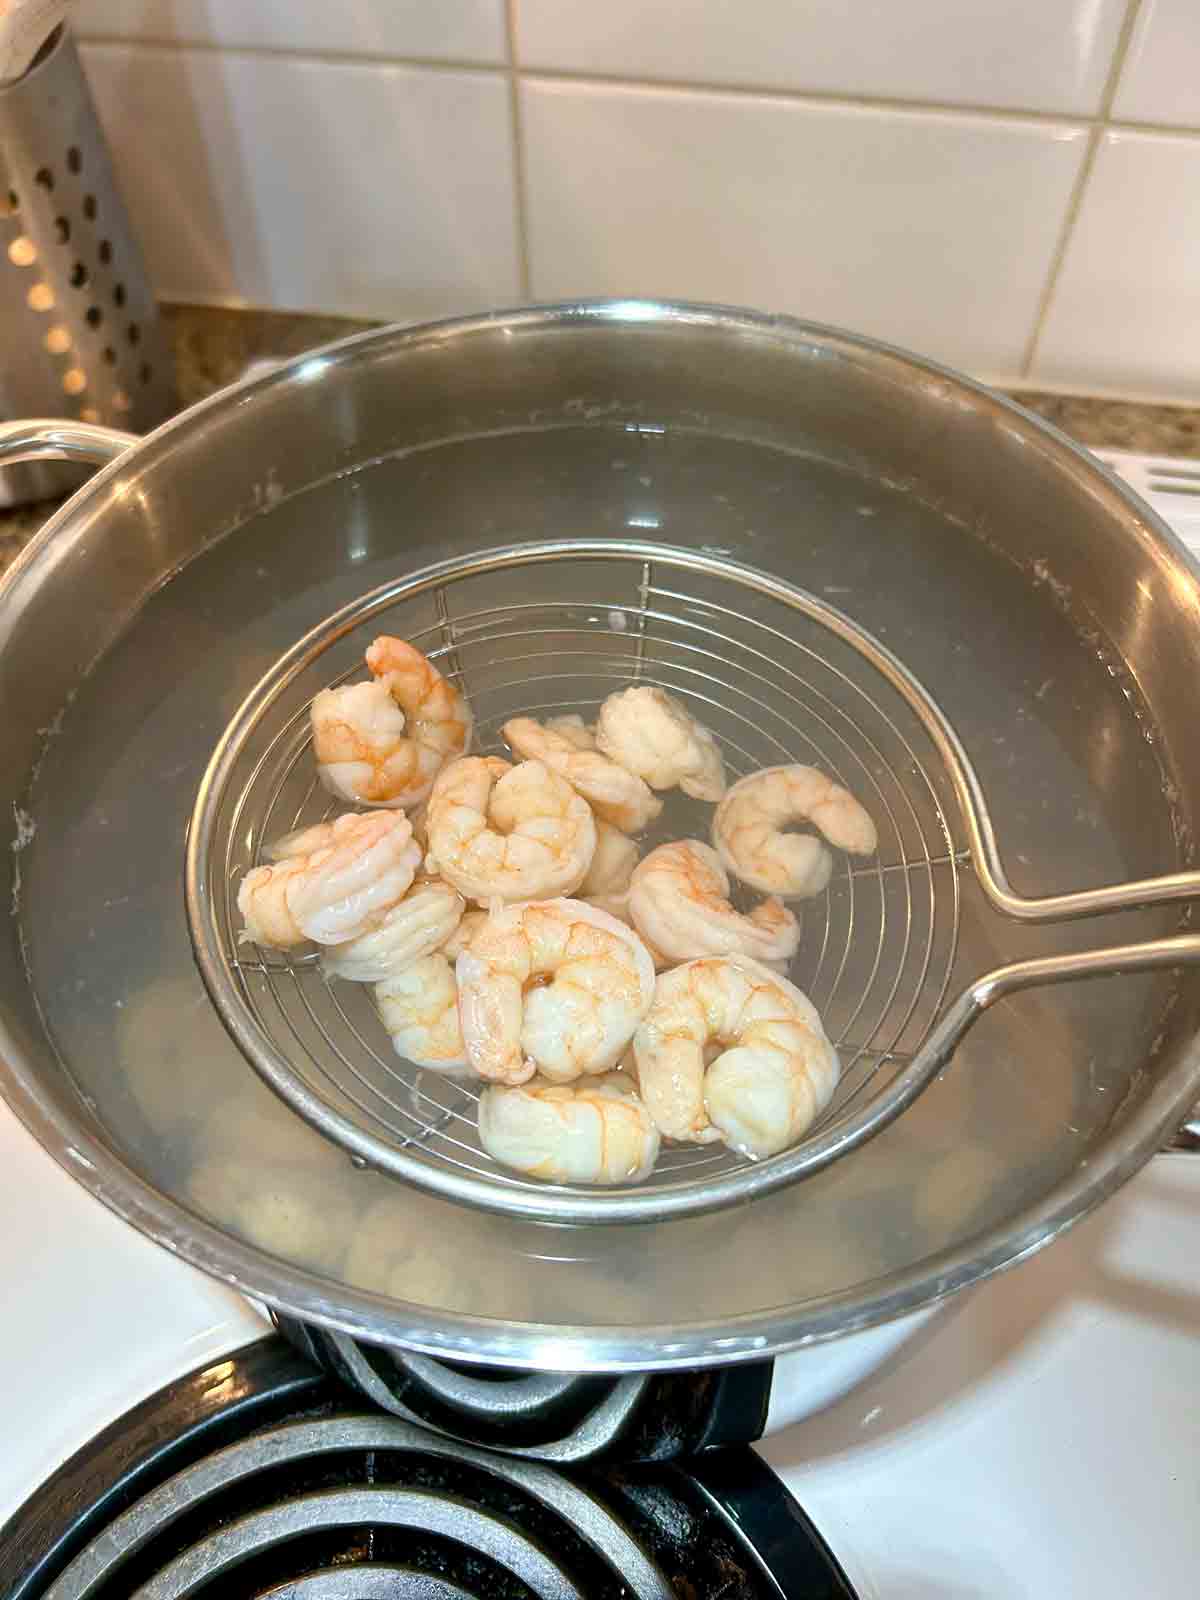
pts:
pixel 58 439
pixel 1173 951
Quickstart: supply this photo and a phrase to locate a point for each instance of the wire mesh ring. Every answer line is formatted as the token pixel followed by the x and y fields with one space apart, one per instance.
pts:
pixel 779 674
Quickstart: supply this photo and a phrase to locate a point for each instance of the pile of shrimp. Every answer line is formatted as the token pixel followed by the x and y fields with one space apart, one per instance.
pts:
pixel 513 931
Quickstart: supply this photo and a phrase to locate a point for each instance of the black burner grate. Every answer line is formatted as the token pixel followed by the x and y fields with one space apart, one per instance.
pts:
pixel 556 1417
pixel 255 1478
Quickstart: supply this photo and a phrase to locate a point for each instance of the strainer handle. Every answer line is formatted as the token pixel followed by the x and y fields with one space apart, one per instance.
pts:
pixel 981 833
pixel 1174 951
pixel 57 439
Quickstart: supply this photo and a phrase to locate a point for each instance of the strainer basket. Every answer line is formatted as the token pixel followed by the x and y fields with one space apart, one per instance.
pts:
pixel 780 675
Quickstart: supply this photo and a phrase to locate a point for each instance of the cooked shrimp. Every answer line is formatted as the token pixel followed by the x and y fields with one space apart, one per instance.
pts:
pixel 458 941
pixel 419 1008
pixel 654 735
pixel 414 927
pixel 508 833
pixel 555 987
pixel 617 905
pixel 612 864
pixel 679 898
pixel 616 795
pixel 350 872
pixel 290 1210
pixel 300 842
pixel 418 816
pixel 574 729
pixel 358 740
pixel 774 1070
pixel 607 883
pixel 749 823
pixel 384 742
pixel 597 1131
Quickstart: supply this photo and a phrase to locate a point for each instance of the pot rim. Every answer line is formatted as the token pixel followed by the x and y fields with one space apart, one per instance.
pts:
pixel 751 1336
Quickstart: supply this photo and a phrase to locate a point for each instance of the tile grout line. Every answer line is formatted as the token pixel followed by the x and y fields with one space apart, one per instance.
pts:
pixel 1079 189
pixel 838 98
pixel 810 96
pixel 598 80
pixel 815 97
pixel 268 52
pixel 1171 130
pixel 1059 255
pixel 520 195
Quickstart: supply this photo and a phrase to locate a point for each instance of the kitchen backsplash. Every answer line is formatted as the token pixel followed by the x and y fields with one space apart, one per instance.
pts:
pixel 1010 185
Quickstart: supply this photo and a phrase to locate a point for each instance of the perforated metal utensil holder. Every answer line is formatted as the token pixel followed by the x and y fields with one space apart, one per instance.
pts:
pixel 79 329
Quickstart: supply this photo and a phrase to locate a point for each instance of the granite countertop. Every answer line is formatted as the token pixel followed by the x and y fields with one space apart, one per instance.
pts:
pixel 213 347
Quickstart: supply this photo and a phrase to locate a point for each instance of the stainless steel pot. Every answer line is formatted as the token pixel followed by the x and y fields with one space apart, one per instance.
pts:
pixel 1049 612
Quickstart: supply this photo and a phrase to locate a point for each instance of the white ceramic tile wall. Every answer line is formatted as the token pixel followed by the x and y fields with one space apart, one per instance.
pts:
pixel 373 190
pixel 437 30
pixel 834 212
pixel 1025 54
pixel 1161 80
pixel 980 181
pixel 1127 310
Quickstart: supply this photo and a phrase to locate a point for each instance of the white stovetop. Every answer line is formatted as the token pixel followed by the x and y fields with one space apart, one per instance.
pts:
pixel 1045 1440
pixel 1042 1439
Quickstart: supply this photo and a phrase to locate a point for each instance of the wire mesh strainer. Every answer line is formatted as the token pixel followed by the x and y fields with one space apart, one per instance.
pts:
pixel 780 676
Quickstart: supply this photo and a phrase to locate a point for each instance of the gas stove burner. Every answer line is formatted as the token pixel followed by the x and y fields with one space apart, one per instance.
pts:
pixel 255 1477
